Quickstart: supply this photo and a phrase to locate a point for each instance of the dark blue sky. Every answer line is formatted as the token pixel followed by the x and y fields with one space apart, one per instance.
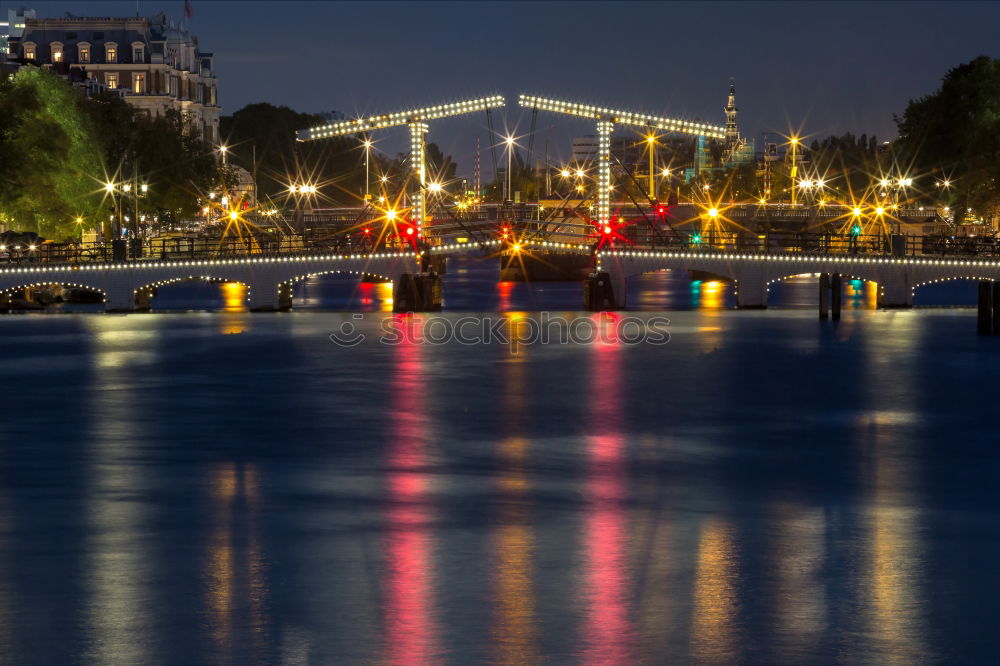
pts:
pixel 827 67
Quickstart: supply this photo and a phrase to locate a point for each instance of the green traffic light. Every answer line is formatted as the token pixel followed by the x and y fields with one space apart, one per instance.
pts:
pixel 695 238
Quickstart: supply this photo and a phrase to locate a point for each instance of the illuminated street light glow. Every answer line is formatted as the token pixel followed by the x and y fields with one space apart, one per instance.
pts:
pixel 109 187
pixel 390 214
pixel 856 211
pixel 233 215
pixel 713 212
pixel 564 173
pixel 434 187
pixel 879 210
pixel 580 173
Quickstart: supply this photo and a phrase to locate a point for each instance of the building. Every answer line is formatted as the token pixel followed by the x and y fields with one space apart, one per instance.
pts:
pixel 153 63
pixel 732 151
pixel 13 27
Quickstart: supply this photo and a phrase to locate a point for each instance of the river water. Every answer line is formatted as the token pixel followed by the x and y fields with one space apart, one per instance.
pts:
pixel 227 487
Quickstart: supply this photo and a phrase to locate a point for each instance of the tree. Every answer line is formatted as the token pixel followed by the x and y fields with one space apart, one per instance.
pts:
pixel 954 134
pixel 850 164
pixel 270 132
pixel 176 163
pixel 48 155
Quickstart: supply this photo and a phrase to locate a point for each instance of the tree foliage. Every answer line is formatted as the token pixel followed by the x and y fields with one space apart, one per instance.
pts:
pixel 48 155
pixel 176 164
pixel 58 149
pixel 850 164
pixel 954 134
pixel 336 165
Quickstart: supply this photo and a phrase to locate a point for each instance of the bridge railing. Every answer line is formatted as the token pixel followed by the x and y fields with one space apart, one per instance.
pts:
pixel 813 243
pixel 181 249
pixel 177 249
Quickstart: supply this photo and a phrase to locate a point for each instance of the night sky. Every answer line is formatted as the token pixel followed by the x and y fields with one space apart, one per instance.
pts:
pixel 827 67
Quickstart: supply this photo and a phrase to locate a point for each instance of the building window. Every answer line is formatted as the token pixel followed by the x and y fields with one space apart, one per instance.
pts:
pixel 111 53
pixel 57 51
pixel 112 80
pixel 139 84
pixel 29 51
pixel 137 54
pixel 84 54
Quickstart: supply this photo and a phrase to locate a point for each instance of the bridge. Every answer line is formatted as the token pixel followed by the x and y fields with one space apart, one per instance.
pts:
pixel 130 286
pixel 611 253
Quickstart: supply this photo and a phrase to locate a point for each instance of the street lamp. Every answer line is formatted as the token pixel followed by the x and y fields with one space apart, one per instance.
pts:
pixel 651 141
pixel 223 149
pixel 368 148
pixel 510 160
pixel 794 140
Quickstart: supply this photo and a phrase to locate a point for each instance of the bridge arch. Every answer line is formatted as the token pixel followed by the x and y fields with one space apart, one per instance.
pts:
pixel 143 296
pixel 928 285
pixel 286 288
pixel 7 292
pixel 781 291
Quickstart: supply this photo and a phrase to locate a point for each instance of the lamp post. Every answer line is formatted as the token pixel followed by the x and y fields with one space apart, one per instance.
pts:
pixel 651 144
pixel 510 161
pixel 368 148
pixel 795 144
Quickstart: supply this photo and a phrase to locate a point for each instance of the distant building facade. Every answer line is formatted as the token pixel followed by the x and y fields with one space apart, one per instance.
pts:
pixel 153 63
pixel 731 152
pixel 13 27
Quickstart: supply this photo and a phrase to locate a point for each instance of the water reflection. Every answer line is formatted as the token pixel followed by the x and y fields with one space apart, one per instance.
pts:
pixel 802 291
pixel 799 548
pixel 411 633
pixel 707 295
pixel 895 557
pixel 342 291
pixel 236 586
pixel 714 637
pixel 375 296
pixel 234 300
pixel 514 623
pixel 117 565
pixel 608 634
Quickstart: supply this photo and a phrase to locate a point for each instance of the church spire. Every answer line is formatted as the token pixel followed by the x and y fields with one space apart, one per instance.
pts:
pixel 732 132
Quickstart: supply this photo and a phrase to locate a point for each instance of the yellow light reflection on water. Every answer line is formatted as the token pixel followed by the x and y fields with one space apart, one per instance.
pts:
pixel 711 295
pixel 514 628
pixel 234 299
pixel 383 291
pixel 713 631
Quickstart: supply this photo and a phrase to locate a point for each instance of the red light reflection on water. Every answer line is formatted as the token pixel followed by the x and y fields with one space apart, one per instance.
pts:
pixel 608 634
pixel 410 628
